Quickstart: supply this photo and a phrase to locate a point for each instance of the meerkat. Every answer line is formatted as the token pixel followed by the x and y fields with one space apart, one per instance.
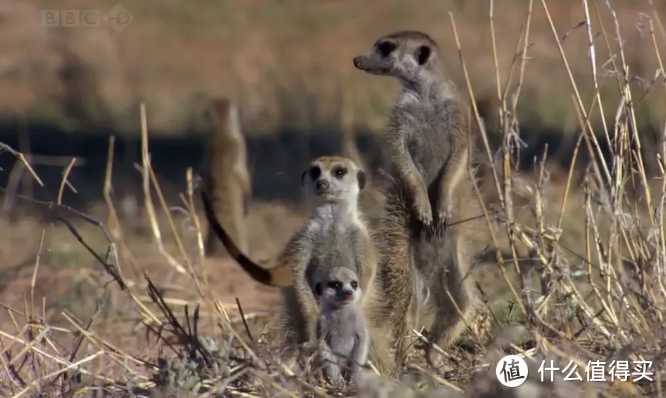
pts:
pixel 428 191
pixel 334 236
pixel 226 175
pixel 371 199
pixel 341 326
pixel 349 147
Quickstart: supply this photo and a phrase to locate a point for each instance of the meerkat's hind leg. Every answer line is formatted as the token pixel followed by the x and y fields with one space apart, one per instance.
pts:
pixel 331 363
pixel 445 332
pixel 449 328
pixel 389 321
pixel 420 300
pixel 399 291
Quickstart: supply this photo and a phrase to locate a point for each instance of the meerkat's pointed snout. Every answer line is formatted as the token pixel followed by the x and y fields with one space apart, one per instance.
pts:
pixel 322 186
pixel 366 63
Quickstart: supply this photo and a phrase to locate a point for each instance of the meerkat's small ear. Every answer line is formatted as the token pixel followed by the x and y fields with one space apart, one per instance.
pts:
pixel 422 54
pixel 360 176
pixel 303 176
pixel 318 289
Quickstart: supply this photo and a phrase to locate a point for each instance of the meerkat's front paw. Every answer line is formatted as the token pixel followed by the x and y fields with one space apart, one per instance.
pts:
pixel 444 217
pixel 423 211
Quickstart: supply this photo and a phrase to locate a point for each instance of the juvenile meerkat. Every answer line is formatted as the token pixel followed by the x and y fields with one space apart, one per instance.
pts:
pixel 334 236
pixel 226 175
pixel 428 187
pixel 341 327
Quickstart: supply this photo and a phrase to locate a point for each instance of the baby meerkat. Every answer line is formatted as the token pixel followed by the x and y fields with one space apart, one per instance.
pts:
pixel 341 326
pixel 335 236
pixel 428 145
pixel 226 174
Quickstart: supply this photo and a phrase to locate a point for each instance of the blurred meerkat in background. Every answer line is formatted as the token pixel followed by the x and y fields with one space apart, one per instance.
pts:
pixel 226 175
pixel 371 199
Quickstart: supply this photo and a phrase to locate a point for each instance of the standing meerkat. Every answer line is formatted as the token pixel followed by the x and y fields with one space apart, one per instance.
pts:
pixel 226 175
pixel 341 327
pixel 334 236
pixel 371 199
pixel 348 130
pixel 424 249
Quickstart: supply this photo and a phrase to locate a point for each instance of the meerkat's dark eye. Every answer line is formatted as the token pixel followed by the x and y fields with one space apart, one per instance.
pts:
pixel 354 284
pixel 385 48
pixel 339 171
pixel 422 54
pixel 335 285
pixel 314 172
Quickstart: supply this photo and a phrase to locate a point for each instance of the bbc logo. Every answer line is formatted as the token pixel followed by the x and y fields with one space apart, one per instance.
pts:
pixel 117 18
pixel 72 18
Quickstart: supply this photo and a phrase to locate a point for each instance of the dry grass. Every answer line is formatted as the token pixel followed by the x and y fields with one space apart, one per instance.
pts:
pixel 580 265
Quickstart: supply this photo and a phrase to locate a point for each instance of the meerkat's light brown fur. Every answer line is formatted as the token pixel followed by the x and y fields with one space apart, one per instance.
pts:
pixel 429 197
pixel 335 236
pixel 226 175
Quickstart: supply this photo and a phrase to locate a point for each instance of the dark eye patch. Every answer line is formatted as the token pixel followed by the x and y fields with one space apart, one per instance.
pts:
pixel 335 285
pixel 385 48
pixel 339 171
pixel 314 172
pixel 422 54
pixel 354 284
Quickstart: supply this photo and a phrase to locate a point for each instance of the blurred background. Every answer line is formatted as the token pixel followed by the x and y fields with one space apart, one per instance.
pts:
pixel 65 89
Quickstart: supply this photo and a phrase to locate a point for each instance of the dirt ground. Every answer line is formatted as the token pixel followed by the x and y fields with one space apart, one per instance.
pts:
pixel 50 281
pixel 69 280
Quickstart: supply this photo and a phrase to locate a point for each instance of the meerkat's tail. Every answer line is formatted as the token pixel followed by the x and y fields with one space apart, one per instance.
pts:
pixel 279 277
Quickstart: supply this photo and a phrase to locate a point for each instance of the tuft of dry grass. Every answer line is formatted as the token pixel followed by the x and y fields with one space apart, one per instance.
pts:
pixel 581 267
